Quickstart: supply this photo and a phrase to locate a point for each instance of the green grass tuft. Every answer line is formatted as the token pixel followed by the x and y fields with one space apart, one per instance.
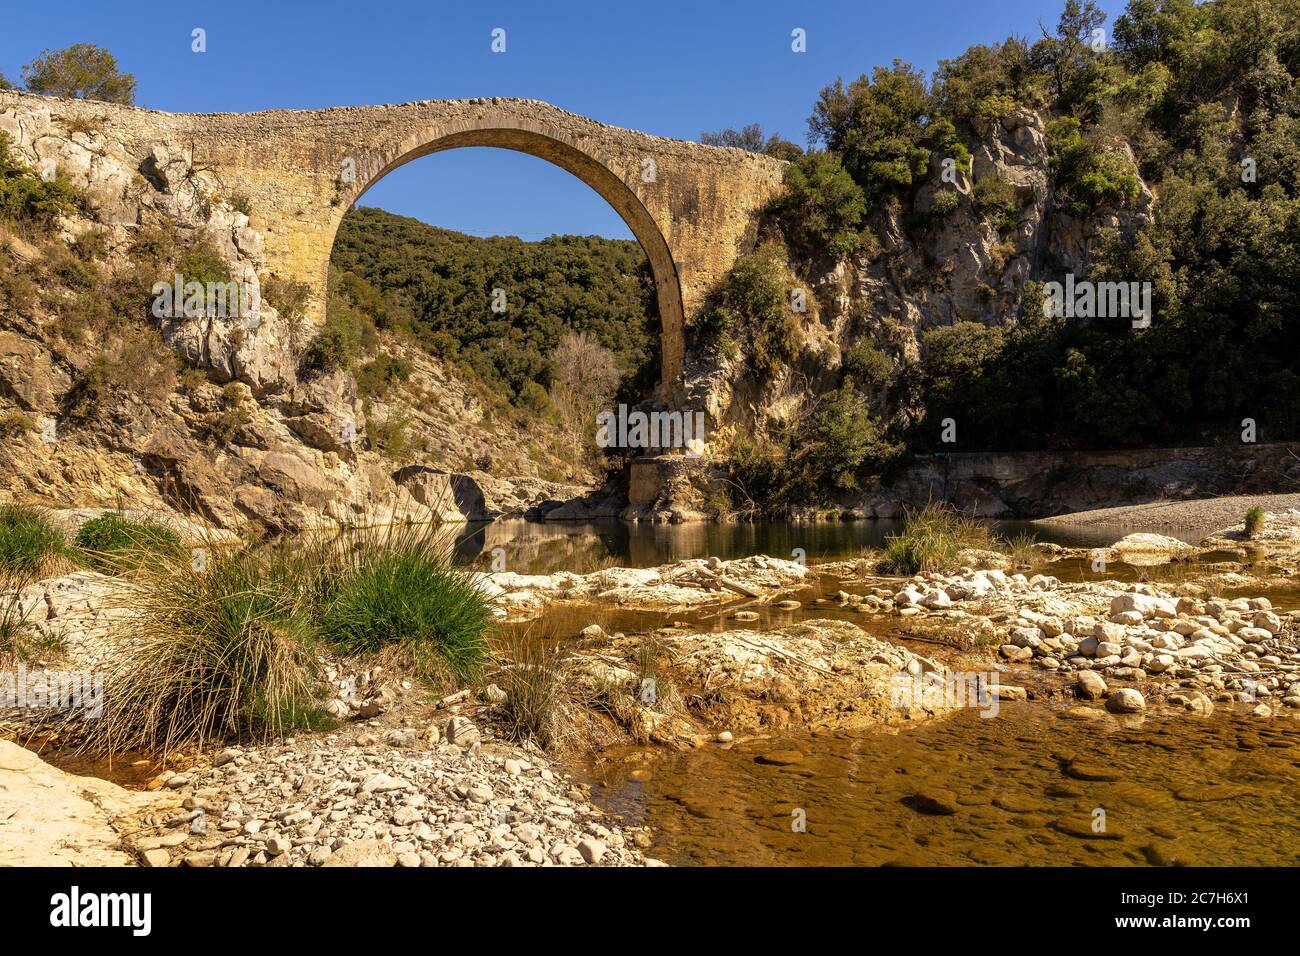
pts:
pixel 226 651
pixel 400 591
pixel 112 543
pixel 30 544
pixel 931 539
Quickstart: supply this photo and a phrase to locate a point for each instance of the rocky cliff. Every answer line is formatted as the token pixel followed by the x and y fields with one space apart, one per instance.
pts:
pixel 101 404
pixel 932 269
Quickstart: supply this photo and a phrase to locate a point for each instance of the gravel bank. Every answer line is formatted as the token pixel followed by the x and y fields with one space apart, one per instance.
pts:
pixel 1204 516
pixel 331 801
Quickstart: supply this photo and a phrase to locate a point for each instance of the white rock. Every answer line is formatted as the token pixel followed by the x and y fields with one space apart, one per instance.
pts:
pixel 592 850
pixel 1126 700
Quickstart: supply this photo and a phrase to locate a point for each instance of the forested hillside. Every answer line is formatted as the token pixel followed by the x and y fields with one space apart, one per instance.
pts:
pixel 438 286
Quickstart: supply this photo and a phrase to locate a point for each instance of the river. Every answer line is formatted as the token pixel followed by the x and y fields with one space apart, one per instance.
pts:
pixel 1042 783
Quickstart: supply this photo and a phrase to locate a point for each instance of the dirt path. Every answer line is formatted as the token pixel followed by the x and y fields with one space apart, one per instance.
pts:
pixel 1206 514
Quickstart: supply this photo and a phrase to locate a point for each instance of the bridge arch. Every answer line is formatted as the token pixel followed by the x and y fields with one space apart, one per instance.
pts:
pixel 692 208
pixel 554 146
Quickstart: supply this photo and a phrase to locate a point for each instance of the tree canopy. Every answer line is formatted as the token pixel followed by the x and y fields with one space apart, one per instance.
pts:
pixel 80 71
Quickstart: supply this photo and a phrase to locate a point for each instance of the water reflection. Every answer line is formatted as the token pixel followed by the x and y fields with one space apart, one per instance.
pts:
pixel 531 547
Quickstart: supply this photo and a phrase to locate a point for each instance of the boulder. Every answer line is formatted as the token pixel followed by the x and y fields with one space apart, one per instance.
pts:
pixel 1090 685
pixel 1126 700
pixel 1144 604
pixel 450 497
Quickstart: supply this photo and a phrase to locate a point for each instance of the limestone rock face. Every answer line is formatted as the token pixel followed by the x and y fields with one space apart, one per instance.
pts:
pixel 28 373
pixel 53 818
pixel 968 266
pixel 325 413
pixel 448 497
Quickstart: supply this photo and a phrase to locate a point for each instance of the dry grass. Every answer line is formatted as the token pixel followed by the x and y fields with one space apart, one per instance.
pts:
pixel 215 648
pixel 1023 551
pixel 19 640
pixel 536 679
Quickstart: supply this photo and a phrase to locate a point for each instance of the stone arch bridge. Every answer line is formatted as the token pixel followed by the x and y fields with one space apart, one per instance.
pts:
pixel 693 208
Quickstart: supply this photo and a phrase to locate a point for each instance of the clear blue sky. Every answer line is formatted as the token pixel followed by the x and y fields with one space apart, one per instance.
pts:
pixel 663 66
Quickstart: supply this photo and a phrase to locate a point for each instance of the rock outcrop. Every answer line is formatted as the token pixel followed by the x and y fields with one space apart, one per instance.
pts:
pixel 52 818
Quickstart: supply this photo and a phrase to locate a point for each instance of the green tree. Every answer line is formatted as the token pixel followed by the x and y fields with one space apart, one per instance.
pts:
pixel 437 287
pixel 822 209
pixel 1068 55
pixel 843 441
pixel 877 126
pixel 80 71
pixel 986 83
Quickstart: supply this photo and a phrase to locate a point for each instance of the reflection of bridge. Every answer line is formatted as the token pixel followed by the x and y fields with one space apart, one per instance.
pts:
pixel 691 207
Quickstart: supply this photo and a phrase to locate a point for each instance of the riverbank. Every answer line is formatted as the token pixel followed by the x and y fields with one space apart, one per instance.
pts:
pixel 1203 515
pixel 756 662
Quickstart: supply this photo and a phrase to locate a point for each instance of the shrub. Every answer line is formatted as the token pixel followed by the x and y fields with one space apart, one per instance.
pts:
pixel 389 436
pixel 30 544
pixel 867 366
pixel 401 591
pixel 1255 519
pixel 212 649
pixel 91 389
pixel 758 471
pixel 535 398
pixel 1090 175
pixel 997 200
pixel 18 291
pixel 931 539
pixel 77 274
pixel 842 441
pixel 13 424
pixel 202 264
pixel 26 197
pixel 378 375
pixel 946 202
pixel 714 332
pixel 224 426
pixel 113 543
pixel 822 209
pixel 287 296
pixel 341 339
pixel 755 298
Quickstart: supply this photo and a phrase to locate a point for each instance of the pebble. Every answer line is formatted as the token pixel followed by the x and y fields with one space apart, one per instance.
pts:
pixel 319 800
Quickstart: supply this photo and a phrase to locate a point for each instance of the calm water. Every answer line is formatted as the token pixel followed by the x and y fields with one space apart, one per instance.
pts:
pixel 545 547
pixel 1026 787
